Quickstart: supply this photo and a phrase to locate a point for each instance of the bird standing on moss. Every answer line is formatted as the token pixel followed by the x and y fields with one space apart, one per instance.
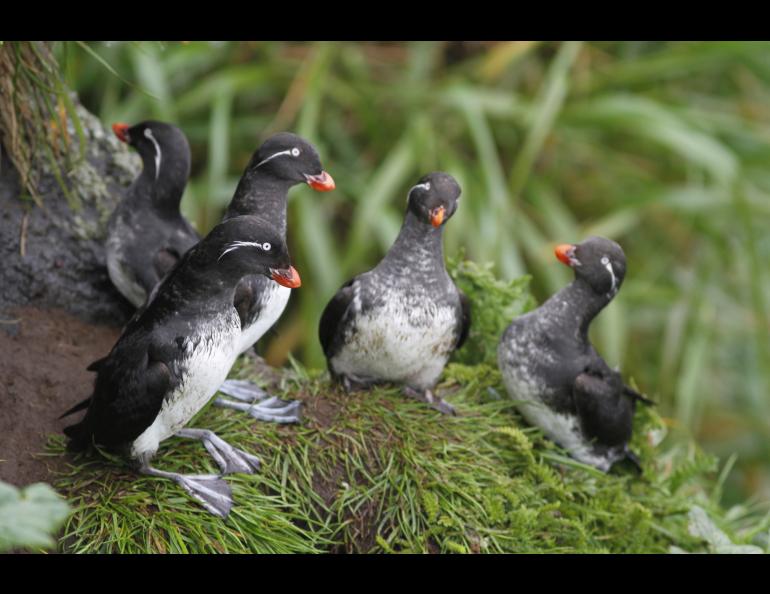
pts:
pixel 558 380
pixel 176 351
pixel 284 160
pixel 402 320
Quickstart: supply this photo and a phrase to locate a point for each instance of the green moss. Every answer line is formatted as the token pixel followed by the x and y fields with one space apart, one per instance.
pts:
pixel 377 472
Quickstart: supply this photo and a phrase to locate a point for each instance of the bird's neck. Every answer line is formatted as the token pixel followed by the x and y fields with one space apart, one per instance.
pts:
pixel 164 190
pixel 574 308
pixel 418 248
pixel 261 195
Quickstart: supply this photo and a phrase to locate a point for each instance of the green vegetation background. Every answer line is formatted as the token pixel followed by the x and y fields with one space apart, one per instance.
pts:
pixel 662 146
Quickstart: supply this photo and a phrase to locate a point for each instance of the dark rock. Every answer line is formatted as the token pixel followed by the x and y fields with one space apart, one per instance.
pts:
pixel 63 262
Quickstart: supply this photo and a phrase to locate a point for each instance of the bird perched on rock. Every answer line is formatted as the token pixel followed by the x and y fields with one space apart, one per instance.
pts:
pixel 402 320
pixel 146 234
pixel 176 351
pixel 284 160
pixel 558 380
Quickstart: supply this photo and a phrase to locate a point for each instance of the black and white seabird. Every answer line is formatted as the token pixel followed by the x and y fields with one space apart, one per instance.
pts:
pixel 284 160
pixel 402 320
pixel 176 351
pixel 146 234
pixel 558 380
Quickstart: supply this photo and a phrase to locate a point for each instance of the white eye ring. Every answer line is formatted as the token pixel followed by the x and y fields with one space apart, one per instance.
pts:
pixel 266 246
pixel 605 260
pixel 295 152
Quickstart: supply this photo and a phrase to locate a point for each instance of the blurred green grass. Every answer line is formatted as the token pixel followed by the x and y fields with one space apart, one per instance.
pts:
pixel 661 146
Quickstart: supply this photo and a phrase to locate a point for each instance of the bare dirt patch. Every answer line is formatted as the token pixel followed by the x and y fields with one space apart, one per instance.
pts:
pixel 43 358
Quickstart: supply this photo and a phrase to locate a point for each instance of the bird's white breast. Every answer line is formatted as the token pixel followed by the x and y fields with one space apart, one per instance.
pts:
pixel 205 362
pixel 407 338
pixel 275 299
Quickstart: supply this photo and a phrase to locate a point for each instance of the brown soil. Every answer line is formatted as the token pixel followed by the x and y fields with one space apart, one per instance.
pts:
pixel 43 358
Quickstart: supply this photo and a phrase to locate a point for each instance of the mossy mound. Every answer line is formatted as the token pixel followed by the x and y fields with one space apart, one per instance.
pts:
pixel 375 471
pixel 378 472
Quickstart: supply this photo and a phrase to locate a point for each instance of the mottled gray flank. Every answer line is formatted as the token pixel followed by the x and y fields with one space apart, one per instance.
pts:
pixel 541 354
pixel 64 262
pixel 404 320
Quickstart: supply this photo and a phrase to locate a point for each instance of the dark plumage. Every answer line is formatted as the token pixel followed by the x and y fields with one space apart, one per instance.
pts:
pixel 284 160
pixel 176 351
pixel 556 376
pixel 146 234
pixel 401 321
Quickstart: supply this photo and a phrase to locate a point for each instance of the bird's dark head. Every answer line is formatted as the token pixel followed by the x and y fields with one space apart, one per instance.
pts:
pixel 598 261
pixel 434 199
pixel 251 245
pixel 289 157
pixel 161 146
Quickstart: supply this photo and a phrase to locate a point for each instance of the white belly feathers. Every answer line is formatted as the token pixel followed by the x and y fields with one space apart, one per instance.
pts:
pixel 204 366
pixel 404 340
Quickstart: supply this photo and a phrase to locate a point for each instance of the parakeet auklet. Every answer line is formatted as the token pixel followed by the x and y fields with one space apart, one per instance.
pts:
pixel 146 234
pixel 284 160
pixel 401 321
pixel 559 381
pixel 176 351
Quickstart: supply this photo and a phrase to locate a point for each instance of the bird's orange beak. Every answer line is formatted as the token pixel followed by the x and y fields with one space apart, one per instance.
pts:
pixel 565 253
pixel 437 216
pixel 322 182
pixel 287 278
pixel 121 131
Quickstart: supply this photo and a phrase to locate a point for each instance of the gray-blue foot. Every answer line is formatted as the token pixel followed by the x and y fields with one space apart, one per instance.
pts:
pixel 210 490
pixel 259 404
pixel 428 396
pixel 229 459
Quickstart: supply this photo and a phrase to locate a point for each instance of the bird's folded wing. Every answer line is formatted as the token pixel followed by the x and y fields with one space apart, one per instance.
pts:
pixel 331 326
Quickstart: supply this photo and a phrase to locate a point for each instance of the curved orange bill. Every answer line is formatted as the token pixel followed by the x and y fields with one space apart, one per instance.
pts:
pixel 121 131
pixel 322 182
pixel 287 278
pixel 437 216
pixel 564 252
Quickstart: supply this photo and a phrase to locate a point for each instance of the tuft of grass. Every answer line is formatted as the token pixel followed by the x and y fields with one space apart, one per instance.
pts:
pixel 494 304
pixel 376 472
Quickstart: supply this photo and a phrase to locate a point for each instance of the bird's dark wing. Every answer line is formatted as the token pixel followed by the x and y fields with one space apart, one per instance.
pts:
pixel 96 364
pixel 147 274
pixel 465 321
pixel 183 238
pixel 629 391
pixel 85 403
pixel 129 391
pixel 163 261
pixel 243 301
pixel 605 414
pixel 331 324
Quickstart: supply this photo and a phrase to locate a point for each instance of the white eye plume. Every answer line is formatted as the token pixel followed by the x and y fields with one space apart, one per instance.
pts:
pixel 266 246
pixel 425 186
pixel 606 262
pixel 294 152
pixel 148 134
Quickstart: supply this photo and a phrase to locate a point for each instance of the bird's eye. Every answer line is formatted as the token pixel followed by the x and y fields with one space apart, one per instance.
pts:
pixel 295 152
pixel 605 260
pixel 266 246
